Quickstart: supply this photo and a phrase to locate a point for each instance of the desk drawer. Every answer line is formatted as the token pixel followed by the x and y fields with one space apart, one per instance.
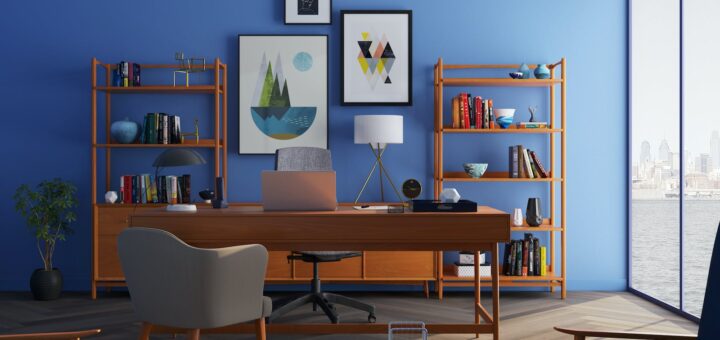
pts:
pixel 399 265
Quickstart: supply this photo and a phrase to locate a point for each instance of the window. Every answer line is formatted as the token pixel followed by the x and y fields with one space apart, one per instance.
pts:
pixel 675 149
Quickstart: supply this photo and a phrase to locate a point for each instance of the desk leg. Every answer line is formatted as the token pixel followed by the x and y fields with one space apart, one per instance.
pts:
pixel 477 289
pixel 495 291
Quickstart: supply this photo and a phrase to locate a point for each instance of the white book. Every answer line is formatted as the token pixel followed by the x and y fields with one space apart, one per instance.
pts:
pixel 527 163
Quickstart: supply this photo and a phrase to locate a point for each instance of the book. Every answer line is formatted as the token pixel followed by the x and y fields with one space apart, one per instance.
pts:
pixel 471 110
pixel 491 115
pixel 518 257
pixel 173 192
pixel 136 74
pixel 466 110
pixel 506 259
pixel 478 112
pixel 521 163
pixel 524 257
pixel 532 125
pixel 543 173
pixel 131 71
pixel 528 168
pixel 543 261
pixel 455 113
pixel 536 256
pixel 486 113
pixel 121 192
pixel 531 254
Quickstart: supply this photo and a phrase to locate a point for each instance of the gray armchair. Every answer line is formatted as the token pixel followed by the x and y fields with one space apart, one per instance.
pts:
pixel 177 285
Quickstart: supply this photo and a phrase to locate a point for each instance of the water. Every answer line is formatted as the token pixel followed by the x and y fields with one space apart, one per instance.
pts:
pixel 656 251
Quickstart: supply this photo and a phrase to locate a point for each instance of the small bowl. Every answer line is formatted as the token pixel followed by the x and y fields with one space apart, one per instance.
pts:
pixel 516 75
pixel 475 170
pixel 504 117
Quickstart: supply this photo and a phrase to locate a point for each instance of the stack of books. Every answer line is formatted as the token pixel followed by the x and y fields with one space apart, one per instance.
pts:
pixel 161 128
pixel 465 265
pixel 126 74
pixel 525 257
pixel 142 189
pixel 470 112
pixel 524 163
pixel 532 125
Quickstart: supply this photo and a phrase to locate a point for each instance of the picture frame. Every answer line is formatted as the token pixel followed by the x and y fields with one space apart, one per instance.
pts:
pixel 308 12
pixel 376 53
pixel 282 92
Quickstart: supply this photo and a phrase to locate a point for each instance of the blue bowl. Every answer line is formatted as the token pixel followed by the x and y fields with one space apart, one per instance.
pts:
pixel 504 122
pixel 475 170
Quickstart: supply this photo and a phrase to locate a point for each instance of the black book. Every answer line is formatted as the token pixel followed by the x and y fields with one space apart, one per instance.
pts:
pixel 471 108
pixel 506 259
pixel 518 257
pixel 536 243
pixel 531 254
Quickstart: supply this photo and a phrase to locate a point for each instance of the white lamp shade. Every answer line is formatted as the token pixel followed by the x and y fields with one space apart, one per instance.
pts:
pixel 379 129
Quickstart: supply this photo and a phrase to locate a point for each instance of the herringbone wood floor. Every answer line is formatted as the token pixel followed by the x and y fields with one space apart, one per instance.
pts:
pixel 524 315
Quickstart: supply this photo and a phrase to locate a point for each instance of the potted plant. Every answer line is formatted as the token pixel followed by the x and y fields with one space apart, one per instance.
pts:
pixel 49 212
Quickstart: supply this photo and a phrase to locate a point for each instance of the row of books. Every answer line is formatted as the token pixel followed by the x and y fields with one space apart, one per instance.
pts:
pixel 525 257
pixel 126 74
pixel 524 163
pixel 161 128
pixel 146 188
pixel 470 112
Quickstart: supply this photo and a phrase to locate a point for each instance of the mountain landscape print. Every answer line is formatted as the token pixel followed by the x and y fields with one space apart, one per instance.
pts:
pixel 271 109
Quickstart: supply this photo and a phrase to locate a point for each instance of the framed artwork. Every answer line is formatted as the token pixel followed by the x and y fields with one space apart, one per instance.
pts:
pixel 376 57
pixel 308 12
pixel 283 92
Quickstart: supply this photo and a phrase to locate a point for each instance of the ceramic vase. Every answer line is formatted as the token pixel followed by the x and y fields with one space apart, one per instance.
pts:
pixel 542 71
pixel 518 217
pixel 124 131
pixel 533 215
pixel 525 71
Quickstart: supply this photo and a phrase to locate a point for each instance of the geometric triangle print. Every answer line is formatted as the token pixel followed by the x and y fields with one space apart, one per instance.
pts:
pixel 388 52
pixel 365 48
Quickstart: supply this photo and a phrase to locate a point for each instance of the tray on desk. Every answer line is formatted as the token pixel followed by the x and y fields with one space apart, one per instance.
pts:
pixel 438 206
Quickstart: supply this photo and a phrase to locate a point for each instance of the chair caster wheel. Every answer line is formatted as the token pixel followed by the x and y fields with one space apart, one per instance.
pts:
pixel 372 318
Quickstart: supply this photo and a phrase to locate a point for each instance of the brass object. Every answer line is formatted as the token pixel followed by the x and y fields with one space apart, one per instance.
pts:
pixel 190 134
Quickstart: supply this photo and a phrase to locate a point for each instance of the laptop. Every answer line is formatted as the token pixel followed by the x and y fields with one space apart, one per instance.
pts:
pixel 299 190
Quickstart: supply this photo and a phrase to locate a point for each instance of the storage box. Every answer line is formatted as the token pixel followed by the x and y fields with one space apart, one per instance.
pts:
pixel 469 271
pixel 468 258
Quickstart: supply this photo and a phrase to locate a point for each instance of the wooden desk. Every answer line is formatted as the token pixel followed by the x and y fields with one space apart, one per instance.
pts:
pixel 345 229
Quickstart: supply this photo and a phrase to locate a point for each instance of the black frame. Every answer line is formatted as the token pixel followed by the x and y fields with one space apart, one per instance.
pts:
pixel 327 83
pixel 409 102
pixel 308 23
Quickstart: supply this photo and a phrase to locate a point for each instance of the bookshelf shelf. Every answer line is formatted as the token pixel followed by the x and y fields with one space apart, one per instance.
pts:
pixel 501 131
pixel 554 134
pixel 500 82
pixel 109 219
pixel 204 143
pixel 491 176
pixel 207 89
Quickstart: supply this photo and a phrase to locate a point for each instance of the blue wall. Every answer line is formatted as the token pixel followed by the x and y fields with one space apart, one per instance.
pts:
pixel 45 103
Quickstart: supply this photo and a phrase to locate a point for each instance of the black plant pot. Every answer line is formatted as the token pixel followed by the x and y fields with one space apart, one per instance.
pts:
pixel 46 284
pixel 533 215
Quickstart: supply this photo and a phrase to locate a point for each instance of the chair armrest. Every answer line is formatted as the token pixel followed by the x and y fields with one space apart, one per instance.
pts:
pixel 580 334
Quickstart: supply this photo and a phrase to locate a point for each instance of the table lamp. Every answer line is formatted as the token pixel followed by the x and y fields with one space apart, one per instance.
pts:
pixel 378 131
pixel 173 158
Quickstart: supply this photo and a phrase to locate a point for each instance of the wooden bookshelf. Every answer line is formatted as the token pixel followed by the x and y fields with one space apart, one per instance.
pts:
pixel 109 219
pixel 556 224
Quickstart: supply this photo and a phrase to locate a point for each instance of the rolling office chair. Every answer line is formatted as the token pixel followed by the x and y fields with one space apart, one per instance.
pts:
pixel 174 284
pixel 316 159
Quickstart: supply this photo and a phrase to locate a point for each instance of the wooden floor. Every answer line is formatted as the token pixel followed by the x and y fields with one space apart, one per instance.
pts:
pixel 523 315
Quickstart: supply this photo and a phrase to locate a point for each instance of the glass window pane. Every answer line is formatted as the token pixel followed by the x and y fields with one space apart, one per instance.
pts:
pixel 702 147
pixel 655 149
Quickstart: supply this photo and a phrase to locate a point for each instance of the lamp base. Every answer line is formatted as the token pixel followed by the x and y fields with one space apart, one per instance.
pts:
pixel 181 207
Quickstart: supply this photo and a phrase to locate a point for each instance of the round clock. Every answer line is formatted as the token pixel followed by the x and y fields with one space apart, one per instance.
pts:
pixel 411 188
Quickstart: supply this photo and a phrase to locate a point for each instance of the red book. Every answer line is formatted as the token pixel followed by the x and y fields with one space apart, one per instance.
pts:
pixel 127 189
pixel 131 74
pixel 525 257
pixel 540 167
pixel 478 112
pixel 491 114
pixel 462 110
pixel 466 108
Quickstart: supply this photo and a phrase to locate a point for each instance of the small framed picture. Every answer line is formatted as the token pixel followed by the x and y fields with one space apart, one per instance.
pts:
pixel 376 57
pixel 308 12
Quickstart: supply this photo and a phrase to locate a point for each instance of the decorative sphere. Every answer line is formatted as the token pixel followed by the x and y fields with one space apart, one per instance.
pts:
pixel 124 131
pixel 111 197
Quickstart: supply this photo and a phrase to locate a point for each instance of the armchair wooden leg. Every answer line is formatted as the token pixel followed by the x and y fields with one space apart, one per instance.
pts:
pixel 145 331
pixel 260 329
pixel 193 334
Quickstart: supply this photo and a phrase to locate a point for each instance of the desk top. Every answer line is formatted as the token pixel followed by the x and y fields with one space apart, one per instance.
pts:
pixel 257 210
pixel 343 229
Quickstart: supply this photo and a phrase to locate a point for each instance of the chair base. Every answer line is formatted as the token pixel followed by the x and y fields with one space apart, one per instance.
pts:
pixel 326 301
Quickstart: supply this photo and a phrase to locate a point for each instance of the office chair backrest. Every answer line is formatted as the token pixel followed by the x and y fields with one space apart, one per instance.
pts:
pixel 303 159
pixel 174 284
pixel 710 319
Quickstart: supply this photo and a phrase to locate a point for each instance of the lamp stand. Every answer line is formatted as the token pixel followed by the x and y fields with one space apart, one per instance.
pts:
pixel 378 153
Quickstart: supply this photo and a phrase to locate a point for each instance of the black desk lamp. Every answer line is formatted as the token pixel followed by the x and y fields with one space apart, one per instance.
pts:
pixel 178 157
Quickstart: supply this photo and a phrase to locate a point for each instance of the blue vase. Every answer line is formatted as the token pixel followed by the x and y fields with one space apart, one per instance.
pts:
pixel 525 71
pixel 124 131
pixel 542 71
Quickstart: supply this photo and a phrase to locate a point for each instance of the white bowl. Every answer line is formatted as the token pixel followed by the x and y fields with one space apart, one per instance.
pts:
pixel 504 112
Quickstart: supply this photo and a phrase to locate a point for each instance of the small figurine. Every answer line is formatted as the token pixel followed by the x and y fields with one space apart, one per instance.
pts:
pixel 532 110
